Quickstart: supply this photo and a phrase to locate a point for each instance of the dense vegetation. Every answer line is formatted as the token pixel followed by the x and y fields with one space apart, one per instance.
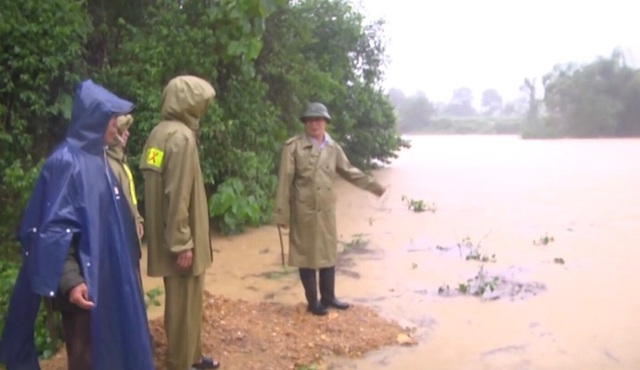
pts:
pixel 598 99
pixel 266 59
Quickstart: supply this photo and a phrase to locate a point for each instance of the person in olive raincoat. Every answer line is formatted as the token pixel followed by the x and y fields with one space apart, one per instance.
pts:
pixel 118 163
pixel 306 203
pixel 177 218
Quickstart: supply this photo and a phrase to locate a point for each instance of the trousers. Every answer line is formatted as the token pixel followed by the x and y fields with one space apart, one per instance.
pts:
pixel 183 320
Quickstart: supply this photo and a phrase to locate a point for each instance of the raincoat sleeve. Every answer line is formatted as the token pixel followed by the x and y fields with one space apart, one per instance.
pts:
pixel 179 177
pixel 51 220
pixel 285 181
pixel 355 176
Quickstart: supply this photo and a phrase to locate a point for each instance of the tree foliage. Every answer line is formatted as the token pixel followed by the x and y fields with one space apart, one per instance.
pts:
pixel 491 101
pixel 266 59
pixel 598 99
pixel 320 50
pixel 461 104
pixel 414 111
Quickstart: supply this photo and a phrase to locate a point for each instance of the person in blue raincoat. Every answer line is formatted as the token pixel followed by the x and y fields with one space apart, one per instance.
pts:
pixel 76 222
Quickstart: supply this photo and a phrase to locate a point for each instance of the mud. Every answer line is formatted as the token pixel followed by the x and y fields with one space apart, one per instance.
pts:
pixel 273 336
pixel 356 250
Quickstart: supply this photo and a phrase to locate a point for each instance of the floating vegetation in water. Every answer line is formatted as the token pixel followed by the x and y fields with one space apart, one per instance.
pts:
pixel 544 240
pixel 493 287
pixel 418 206
pixel 473 251
pixel 358 241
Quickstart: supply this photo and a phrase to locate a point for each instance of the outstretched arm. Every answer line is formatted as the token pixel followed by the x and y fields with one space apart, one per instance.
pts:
pixel 356 176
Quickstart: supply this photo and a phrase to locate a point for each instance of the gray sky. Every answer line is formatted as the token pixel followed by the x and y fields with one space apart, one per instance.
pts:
pixel 436 46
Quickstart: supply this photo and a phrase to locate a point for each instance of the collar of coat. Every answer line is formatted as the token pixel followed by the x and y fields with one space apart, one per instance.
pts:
pixel 307 141
pixel 117 153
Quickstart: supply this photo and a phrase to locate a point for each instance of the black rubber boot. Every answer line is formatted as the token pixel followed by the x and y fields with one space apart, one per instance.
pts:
pixel 327 289
pixel 309 282
pixel 206 363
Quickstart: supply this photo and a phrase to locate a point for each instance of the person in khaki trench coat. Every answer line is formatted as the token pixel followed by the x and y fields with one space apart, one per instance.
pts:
pixel 118 163
pixel 306 202
pixel 177 218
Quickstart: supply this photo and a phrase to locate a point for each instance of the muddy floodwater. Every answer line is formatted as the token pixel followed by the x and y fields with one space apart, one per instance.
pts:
pixel 527 256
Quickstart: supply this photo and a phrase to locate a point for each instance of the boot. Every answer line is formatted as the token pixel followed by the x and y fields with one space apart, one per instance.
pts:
pixel 327 289
pixel 308 278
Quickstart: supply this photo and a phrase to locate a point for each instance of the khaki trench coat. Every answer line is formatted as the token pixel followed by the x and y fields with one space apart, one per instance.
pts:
pixel 306 199
pixel 176 214
pixel 119 167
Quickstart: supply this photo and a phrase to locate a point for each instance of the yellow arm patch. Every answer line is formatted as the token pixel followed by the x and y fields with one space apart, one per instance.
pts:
pixel 154 157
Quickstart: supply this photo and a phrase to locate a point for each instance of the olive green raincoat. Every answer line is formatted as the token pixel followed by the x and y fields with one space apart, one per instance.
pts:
pixel 176 215
pixel 306 200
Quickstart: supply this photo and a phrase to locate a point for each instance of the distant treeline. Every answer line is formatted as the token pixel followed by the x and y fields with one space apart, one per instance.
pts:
pixel 599 99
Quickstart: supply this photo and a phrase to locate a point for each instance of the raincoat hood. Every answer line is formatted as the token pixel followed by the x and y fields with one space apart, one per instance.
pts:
pixel 76 199
pixel 185 99
pixel 92 109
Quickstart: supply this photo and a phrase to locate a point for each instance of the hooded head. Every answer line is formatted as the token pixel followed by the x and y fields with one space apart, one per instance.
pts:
pixel 93 107
pixel 185 99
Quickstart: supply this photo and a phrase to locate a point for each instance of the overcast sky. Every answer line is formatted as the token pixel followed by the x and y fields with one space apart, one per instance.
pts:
pixel 439 45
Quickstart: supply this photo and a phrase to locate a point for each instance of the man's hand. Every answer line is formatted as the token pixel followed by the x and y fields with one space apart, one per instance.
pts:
pixel 79 296
pixel 140 229
pixel 283 226
pixel 185 259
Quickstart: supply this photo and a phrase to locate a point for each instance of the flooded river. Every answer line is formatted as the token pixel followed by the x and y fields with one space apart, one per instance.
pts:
pixel 558 222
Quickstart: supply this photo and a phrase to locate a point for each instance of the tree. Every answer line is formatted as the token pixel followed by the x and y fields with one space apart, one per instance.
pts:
pixel 491 101
pixel 414 112
pixel 529 88
pixel 461 103
pixel 319 50
pixel 601 98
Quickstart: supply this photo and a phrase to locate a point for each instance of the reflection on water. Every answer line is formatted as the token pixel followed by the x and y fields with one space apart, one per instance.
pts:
pixel 579 299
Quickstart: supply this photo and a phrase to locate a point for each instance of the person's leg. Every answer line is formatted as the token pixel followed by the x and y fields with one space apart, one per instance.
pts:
pixel 183 323
pixel 76 324
pixel 178 322
pixel 327 289
pixel 195 309
pixel 309 282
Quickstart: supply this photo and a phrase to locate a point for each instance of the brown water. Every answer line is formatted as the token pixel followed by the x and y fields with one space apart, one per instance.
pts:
pixel 506 193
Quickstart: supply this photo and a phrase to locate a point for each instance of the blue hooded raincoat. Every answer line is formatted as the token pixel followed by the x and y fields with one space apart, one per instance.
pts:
pixel 76 193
